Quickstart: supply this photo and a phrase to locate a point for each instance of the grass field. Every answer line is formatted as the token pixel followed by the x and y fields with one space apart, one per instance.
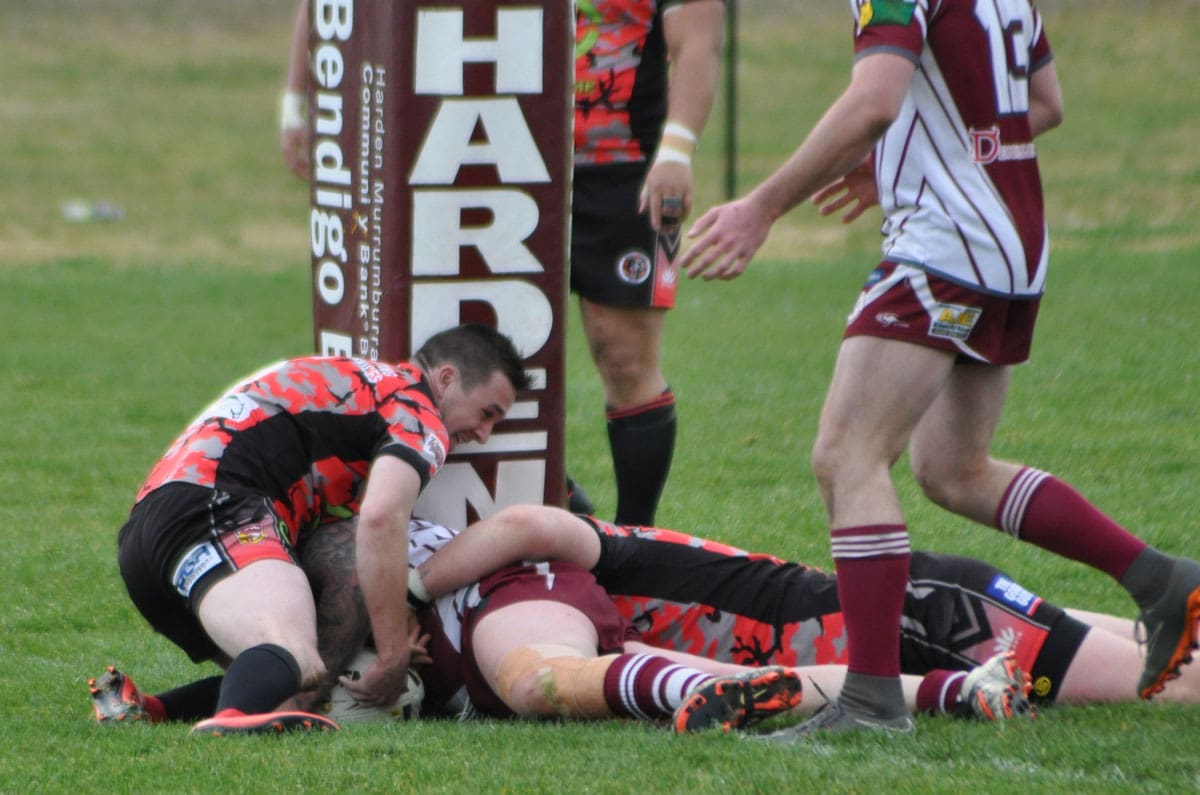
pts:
pixel 113 334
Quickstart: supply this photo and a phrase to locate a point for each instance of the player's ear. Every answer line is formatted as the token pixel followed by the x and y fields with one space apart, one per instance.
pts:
pixel 443 376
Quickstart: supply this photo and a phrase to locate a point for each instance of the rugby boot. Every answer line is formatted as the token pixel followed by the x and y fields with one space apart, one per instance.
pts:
pixel 735 702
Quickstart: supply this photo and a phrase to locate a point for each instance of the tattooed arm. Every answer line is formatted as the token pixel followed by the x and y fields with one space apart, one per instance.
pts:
pixel 327 557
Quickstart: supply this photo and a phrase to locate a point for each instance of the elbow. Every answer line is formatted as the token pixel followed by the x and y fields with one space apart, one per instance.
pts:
pixel 1054 116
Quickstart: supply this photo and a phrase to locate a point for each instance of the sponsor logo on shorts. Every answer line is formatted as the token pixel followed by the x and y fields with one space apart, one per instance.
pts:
pixel 669 274
pixel 255 536
pixel 633 268
pixel 199 560
pixel 954 321
pixel 1042 686
pixel 1014 595
pixel 1006 640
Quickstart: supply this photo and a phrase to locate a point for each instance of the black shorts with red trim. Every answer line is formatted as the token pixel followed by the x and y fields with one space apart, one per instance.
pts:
pixel 613 246
pixel 957 611
pixel 179 541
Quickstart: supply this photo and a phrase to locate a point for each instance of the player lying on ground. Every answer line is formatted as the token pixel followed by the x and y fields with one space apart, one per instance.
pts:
pixel 687 593
pixel 544 640
pixel 958 611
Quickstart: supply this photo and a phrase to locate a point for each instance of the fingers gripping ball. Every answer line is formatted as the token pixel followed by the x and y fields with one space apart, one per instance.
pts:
pixel 344 709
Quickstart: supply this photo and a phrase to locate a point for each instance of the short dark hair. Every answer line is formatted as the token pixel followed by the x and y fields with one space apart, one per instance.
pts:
pixel 477 350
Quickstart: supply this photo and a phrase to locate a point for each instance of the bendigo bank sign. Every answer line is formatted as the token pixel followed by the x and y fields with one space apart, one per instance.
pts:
pixel 441 165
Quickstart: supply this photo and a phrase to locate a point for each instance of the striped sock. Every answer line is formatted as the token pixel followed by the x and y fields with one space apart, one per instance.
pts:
pixel 1041 509
pixel 939 691
pixel 649 687
pixel 872 574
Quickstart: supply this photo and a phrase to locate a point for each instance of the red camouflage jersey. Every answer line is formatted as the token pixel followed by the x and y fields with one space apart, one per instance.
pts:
pixel 725 635
pixel 620 80
pixel 304 432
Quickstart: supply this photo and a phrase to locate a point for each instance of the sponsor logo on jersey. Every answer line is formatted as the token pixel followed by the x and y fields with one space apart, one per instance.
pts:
pixel 435 450
pixel 885 12
pixel 373 372
pixel 198 561
pixel 953 321
pixel 1003 589
pixel 633 267
pixel 986 147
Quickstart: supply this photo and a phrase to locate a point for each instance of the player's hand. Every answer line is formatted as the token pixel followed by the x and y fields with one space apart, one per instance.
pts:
pixel 670 182
pixel 857 186
pixel 382 683
pixel 418 644
pixel 725 240
pixel 293 143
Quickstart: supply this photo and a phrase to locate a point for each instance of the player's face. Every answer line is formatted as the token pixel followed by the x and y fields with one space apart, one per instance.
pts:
pixel 471 414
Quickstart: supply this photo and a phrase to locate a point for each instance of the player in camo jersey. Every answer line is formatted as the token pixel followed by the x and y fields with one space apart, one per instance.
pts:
pixel 945 99
pixel 674 594
pixel 696 595
pixel 258 472
pixel 636 126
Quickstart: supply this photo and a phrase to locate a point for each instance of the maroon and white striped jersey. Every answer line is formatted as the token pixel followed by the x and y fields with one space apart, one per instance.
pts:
pixel 957 171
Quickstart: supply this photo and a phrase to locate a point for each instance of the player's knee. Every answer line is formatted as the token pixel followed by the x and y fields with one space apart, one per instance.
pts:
pixel 536 525
pixel 523 680
pixel 825 461
pixel 313 672
pixel 629 377
pixel 945 482
pixel 532 685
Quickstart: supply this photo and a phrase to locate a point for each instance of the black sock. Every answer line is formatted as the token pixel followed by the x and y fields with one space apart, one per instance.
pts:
pixel 192 702
pixel 642 440
pixel 259 679
pixel 1146 578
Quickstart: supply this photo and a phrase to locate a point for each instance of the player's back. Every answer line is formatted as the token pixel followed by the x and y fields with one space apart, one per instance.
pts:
pixel 957 171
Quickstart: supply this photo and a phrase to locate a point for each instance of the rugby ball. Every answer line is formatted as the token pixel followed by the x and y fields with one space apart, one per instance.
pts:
pixel 344 709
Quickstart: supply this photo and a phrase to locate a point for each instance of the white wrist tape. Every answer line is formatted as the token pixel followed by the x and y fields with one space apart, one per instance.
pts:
pixel 292 111
pixel 416 587
pixel 679 131
pixel 669 154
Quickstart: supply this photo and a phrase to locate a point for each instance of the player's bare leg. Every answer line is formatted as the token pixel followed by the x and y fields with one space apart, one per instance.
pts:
pixel 1107 666
pixel 879 391
pixel 952 462
pixel 625 344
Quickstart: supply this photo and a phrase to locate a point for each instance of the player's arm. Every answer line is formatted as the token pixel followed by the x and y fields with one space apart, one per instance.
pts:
pixel 727 236
pixel 381 560
pixel 1045 100
pixel 856 190
pixel 514 534
pixel 342 624
pixel 293 121
pixel 693 32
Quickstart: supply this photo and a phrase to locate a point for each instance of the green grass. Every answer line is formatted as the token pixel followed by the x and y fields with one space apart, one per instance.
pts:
pixel 113 335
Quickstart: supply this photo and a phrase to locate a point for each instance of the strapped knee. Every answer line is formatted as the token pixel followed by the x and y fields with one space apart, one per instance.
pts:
pixel 570 687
